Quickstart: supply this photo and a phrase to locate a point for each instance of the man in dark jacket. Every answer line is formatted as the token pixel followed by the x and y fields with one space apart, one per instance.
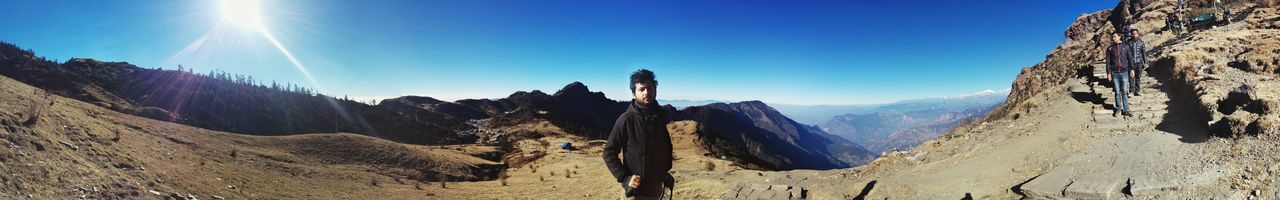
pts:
pixel 1118 59
pixel 1138 61
pixel 640 135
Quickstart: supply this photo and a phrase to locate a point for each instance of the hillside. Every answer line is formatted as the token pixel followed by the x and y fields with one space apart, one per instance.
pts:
pixel 74 149
pixel 777 142
pixel 1204 127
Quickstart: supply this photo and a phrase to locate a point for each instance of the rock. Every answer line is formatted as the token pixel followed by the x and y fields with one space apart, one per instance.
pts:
pixel 917 156
pixel 764 191
pixel 1268 106
pixel 1047 186
pixel 1266 125
pixel 779 187
pixel 759 187
pixel 69 145
pixel 1093 189
pixel 1232 126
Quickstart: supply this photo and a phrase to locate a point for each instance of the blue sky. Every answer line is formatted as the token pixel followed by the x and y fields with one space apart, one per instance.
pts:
pixel 793 52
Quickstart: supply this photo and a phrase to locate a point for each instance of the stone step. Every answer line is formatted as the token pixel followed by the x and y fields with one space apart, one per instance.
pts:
pixel 1154 186
pixel 1090 187
pixel 1137 107
pixel 1144 101
pixel 1145 79
pixel 1135 102
pixel 1122 124
pixel 1049 185
pixel 1080 88
pixel 1152 96
pixel 764 191
pixel 1153 114
pixel 1133 108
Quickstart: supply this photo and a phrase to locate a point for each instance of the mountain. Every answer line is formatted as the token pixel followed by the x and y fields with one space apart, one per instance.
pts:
pixel 236 103
pixel 819 114
pixel 897 125
pixel 887 131
pixel 750 132
pixel 985 98
pixel 772 139
pixel 574 107
pixel 217 100
pixel 684 103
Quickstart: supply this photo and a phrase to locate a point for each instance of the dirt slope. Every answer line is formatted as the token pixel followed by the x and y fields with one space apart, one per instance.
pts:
pixel 74 149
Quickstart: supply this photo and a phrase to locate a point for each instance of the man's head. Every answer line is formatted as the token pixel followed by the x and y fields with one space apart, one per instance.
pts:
pixel 643 87
pixel 1115 37
pixel 1134 33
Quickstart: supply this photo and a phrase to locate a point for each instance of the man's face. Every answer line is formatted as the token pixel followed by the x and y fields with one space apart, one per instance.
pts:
pixel 645 93
pixel 1115 37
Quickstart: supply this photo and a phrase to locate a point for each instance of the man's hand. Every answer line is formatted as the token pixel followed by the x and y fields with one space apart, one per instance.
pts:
pixel 635 181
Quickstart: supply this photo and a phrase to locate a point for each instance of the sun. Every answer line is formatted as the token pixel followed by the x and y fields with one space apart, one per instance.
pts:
pixel 242 13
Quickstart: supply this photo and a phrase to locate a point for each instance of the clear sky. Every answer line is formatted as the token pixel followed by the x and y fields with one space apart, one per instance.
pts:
pixel 793 52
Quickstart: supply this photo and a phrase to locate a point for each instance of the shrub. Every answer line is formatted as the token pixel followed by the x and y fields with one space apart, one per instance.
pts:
pixel 442 179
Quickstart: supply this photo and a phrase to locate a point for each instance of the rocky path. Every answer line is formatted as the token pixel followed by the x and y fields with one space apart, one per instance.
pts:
pixel 1140 157
pixel 1148 110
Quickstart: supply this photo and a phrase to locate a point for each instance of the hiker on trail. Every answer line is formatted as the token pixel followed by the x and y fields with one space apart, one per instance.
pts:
pixel 1171 23
pixel 1118 64
pixel 1138 60
pixel 640 134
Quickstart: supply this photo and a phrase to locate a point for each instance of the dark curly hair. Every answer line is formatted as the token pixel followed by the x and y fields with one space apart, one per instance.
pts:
pixel 642 76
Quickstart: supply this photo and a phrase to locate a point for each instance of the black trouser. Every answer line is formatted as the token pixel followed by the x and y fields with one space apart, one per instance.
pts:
pixel 1136 82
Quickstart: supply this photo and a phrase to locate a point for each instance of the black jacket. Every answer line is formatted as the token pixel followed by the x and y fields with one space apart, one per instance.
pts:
pixel 640 134
pixel 1138 53
pixel 1118 57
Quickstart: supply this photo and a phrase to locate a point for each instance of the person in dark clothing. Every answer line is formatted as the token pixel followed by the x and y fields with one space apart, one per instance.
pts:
pixel 1118 59
pixel 640 135
pixel 1138 60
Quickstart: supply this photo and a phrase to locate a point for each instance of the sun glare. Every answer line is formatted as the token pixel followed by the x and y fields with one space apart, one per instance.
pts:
pixel 243 13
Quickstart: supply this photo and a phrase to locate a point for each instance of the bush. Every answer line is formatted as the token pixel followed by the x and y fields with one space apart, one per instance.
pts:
pixel 442 179
pixel 502 176
pixel 711 166
pixel 32 114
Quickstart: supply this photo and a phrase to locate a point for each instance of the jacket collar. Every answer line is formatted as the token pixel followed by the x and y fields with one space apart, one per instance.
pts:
pixel 647 110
